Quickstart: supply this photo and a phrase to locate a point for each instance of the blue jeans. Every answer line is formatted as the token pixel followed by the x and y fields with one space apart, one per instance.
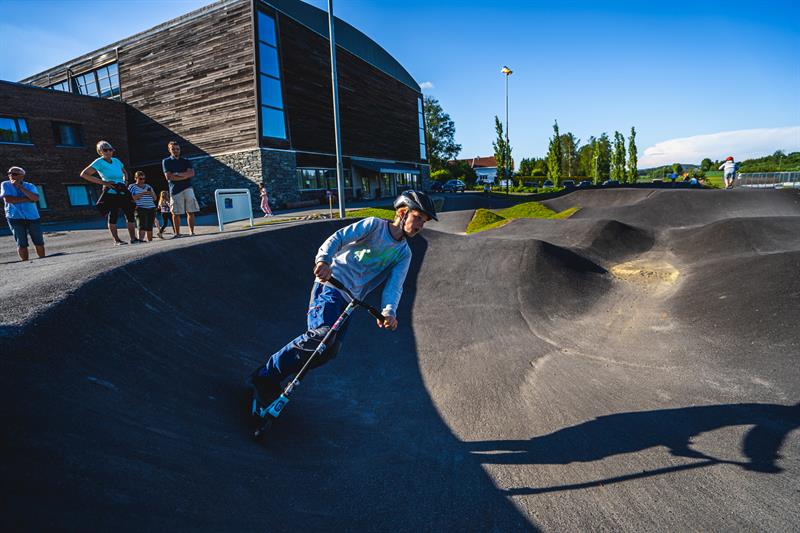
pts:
pixel 21 228
pixel 324 307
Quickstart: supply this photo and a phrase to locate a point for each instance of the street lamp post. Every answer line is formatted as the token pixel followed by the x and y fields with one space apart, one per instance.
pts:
pixel 507 71
pixel 337 128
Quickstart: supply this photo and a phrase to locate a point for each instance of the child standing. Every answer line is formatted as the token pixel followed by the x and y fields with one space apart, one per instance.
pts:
pixel 144 196
pixel 163 208
pixel 264 200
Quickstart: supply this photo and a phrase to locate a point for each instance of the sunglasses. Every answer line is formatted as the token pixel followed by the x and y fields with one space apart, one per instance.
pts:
pixel 16 174
pixel 106 149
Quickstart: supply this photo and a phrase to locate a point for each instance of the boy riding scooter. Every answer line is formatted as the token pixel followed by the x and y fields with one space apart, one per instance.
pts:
pixel 360 256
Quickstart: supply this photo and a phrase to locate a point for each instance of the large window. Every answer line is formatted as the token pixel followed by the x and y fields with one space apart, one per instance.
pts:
pixel 422 152
pixel 67 134
pixel 81 195
pixel 102 82
pixel 14 130
pixel 320 179
pixel 273 120
pixel 407 181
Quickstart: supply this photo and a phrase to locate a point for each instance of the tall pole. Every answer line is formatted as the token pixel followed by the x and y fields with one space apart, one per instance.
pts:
pixel 338 131
pixel 507 71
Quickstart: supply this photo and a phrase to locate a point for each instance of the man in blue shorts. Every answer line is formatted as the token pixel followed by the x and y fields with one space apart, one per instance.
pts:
pixel 179 174
pixel 21 213
pixel 361 256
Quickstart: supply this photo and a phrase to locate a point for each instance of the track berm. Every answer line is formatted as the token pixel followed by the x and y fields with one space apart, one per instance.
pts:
pixel 632 368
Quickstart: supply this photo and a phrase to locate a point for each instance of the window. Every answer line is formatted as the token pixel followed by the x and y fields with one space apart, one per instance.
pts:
pixel 420 115
pixel 42 203
pixel 316 179
pixel 14 130
pixel 67 134
pixel 86 84
pixel 81 195
pixel 273 120
pixel 61 86
pixel 108 80
pixel 102 82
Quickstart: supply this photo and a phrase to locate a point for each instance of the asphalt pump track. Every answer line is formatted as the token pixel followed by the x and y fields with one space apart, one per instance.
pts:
pixel 634 367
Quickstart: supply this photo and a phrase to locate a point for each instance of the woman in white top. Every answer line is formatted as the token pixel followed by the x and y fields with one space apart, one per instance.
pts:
pixel 109 172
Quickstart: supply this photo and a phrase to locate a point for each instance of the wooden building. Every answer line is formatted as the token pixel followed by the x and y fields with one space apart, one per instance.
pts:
pixel 245 87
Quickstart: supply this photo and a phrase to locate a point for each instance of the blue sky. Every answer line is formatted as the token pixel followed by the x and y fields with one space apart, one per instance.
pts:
pixel 721 76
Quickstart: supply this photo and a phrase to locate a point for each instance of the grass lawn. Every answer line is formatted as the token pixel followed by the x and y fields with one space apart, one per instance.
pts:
pixel 714 179
pixel 485 219
pixel 380 212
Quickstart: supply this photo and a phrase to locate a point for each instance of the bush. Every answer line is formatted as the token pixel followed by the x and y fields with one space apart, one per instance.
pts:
pixel 441 175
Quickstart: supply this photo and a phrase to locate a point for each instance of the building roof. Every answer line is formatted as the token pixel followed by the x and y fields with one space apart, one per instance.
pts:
pixel 347 37
pixel 479 162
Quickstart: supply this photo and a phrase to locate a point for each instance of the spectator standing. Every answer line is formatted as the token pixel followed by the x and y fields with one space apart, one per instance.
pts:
pixel 166 215
pixel 145 198
pixel 179 174
pixel 109 172
pixel 728 169
pixel 21 212
pixel 264 200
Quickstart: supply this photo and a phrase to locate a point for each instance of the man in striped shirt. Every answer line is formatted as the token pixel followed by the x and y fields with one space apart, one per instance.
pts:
pixel 145 197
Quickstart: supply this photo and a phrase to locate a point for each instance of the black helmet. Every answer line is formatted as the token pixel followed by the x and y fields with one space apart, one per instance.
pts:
pixel 416 200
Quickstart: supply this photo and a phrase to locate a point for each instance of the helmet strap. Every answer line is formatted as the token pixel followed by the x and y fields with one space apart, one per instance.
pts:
pixel 403 222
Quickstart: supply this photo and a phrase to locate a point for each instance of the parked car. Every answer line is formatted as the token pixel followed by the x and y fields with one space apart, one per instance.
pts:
pixel 569 184
pixel 548 183
pixel 610 183
pixel 454 186
pixel 533 184
pixel 584 183
pixel 436 186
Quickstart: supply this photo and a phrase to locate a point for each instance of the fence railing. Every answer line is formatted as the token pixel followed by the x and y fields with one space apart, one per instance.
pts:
pixel 768 180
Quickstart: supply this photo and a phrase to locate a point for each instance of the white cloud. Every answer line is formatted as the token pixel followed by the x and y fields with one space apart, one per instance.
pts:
pixel 426 85
pixel 741 144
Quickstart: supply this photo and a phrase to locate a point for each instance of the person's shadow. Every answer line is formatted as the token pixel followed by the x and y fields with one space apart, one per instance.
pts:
pixel 631 432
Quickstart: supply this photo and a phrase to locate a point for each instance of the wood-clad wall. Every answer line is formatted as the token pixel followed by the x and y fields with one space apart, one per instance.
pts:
pixel 192 82
pixel 378 113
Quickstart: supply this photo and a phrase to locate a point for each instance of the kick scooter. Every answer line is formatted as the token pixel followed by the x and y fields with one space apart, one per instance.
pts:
pixel 272 411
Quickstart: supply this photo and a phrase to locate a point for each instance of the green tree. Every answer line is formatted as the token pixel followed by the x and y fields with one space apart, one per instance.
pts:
pixel 585 158
pixel 440 132
pixel 633 159
pixel 462 171
pixel 706 164
pixel 677 168
pixel 569 153
pixel 527 166
pixel 554 156
pixel 602 158
pixel 502 152
pixel 618 158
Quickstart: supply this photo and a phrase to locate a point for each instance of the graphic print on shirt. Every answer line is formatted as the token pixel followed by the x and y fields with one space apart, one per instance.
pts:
pixel 369 257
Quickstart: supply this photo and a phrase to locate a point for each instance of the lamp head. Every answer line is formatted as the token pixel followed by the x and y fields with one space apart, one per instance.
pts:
pixel 506 71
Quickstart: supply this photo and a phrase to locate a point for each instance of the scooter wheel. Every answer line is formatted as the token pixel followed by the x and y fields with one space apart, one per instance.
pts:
pixel 261 432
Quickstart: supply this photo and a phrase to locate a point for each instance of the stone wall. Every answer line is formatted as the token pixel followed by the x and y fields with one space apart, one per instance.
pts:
pixel 279 171
pixel 245 170
pixel 239 170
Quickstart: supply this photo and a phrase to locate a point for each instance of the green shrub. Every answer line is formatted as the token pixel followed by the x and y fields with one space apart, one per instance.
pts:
pixel 441 175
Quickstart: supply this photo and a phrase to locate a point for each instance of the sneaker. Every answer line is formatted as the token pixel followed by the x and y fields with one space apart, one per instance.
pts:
pixel 160 235
pixel 266 390
pixel 178 236
pixel 119 243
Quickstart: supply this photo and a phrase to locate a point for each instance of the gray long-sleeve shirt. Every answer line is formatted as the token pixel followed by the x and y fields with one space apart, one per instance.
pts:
pixel 363 255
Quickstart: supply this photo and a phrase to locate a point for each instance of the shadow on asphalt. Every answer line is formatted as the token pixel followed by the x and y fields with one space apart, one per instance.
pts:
pixel 673 429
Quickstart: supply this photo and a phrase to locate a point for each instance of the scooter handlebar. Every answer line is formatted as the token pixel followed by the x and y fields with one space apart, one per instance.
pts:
pixel 371 310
